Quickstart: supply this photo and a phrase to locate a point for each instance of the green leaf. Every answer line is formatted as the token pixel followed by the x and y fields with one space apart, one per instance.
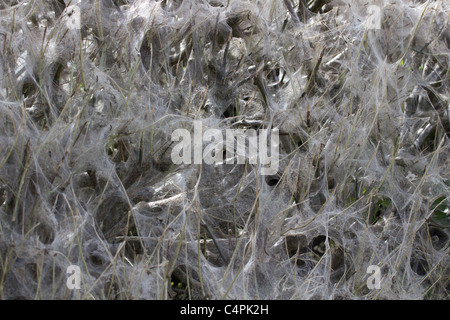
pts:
pixel 440 208
pixel 384 202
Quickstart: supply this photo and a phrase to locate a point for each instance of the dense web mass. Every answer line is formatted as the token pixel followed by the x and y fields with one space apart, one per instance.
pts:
pixel 91 91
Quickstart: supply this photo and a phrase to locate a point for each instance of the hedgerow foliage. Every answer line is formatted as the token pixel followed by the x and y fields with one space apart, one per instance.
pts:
pixel 91 91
